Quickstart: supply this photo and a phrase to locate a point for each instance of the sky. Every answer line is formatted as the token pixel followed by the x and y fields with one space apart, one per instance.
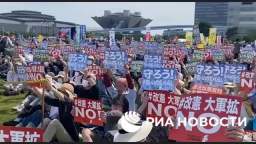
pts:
pixel 162 13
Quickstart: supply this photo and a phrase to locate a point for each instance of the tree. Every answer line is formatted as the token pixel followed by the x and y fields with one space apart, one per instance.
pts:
pixel 204 28
pixel 231 33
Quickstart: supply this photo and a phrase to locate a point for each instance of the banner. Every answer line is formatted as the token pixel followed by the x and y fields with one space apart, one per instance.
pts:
pixel 248 81
pixel 115 60
pixel 219 43
pixel 112 39
pixel 96 70
pixel 161 104
pixel 153 61
pixel 213 107
pixel 212 36
pixel 218 74
pixel 41 55
pixel 196 34
pixel 82 32
pixel 201 88
pixel 77 62
pixel 89 111
pixel 159 79
pixel 189 38
pixel 20 134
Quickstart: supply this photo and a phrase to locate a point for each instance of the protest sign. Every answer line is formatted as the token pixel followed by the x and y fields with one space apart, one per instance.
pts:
pixel 115 60
pixel 41 55
pixel 218 110
pixel 161 104
pixel 218 74
pixel 89 111
pixel 191 67
pixel 96 70
pixel 201 88
pixel 20 134
pixel 153 61
pixel 217 54
pixel 77 62
pixel 248 81
pixel 21 73
pixel 198 55
pixel 159 79
pixel 246 56
pixel 98 54
pixel 112 40
pixel 136 66
pixel 35 75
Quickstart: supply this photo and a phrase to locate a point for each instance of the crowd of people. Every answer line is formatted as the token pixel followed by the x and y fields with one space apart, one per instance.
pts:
pixel 120 93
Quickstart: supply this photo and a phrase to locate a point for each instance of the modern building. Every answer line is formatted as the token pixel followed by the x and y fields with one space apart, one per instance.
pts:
pixel 224 15
pixel 31 21
pixel 121 20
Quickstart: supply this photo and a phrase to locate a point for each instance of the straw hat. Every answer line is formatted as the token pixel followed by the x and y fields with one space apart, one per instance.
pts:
pixel 68 88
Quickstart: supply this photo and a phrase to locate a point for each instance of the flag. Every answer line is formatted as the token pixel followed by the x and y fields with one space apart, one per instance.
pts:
pixel 212 36
pixel 189 38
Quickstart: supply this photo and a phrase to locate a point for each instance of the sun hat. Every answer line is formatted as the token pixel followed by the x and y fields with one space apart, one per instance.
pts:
pixel 68 88
pixel 132 129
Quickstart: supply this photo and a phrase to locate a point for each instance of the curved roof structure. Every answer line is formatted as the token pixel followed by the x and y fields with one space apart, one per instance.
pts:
pixel 121 20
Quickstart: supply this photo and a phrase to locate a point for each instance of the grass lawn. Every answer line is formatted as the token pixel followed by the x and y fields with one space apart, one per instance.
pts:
pixel 6 104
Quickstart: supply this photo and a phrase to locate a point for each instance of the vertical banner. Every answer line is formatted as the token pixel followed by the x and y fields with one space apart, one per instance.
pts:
pixel 112 39
pixel 148 35
pixel 78 35
pixel 196 34
pixel 189 38
pixel 82 32
pixel 219 41
pixel 212 36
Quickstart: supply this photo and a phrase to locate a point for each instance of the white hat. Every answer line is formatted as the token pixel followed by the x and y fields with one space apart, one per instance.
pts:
pixel 132 129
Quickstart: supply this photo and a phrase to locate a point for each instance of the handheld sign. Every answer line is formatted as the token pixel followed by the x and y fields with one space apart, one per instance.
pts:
pixel 153 61
pixel 41 55
pixel 89 111
pixel 20 134
pixel 159 79
pixel 212 108
pixel 115 60
pixel 77 62
pixel 248 81
pixel 161 105
pixel 218 74
pixel 96 70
